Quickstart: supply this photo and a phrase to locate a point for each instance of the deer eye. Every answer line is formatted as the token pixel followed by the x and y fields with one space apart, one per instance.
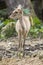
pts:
pixel 16 12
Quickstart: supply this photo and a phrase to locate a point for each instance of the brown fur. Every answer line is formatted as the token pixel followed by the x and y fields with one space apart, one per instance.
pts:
pixel 22 25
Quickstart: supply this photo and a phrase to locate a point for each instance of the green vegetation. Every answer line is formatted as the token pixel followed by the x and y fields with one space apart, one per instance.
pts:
pixel 26 11
pixel 3 12
pixel 37 29
pixel 7 27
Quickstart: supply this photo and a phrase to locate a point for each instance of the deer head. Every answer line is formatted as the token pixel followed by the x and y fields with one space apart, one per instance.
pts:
pixel 17 13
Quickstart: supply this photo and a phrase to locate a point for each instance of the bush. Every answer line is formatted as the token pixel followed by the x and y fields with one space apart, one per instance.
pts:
pixel 7 21
pixel 8 30
pixel 7 27
pixel 37 29
pixel 36 21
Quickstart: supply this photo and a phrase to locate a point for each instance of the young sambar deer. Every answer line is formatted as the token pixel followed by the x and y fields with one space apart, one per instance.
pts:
pixel 22 25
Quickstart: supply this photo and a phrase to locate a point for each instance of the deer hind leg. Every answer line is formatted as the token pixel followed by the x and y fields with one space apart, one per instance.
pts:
pixel 24 38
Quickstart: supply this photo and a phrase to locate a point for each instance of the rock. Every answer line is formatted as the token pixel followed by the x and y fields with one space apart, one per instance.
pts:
pixel 41 54
pixel 41 46
pixel 27 53
pixel 37 46
pixel 0 57
pixel 41 57
pixel 32 48
pixel 35 53
pixel 14 48
pixel 2 51
pixel 2 48
pixel 9 54
pixel 27 47
pixel 8 45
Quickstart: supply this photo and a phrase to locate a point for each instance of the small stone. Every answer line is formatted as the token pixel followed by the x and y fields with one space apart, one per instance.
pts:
pixel 0 57
pixel 41 55
pixel 14 48
pixel 2 48
pixel 27 47
pixel 35 53
pixel 9 54
pixel 32 48
pixel 37 47
pixel 27 53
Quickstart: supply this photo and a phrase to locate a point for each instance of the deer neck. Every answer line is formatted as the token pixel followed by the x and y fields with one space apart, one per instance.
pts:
pixel 21 22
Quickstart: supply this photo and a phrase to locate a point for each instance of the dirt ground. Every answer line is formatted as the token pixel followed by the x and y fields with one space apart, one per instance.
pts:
pixel 23 61
pixel 27 60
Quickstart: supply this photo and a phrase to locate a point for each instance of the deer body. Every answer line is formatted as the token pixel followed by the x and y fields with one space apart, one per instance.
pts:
pixel 22 25
pixel 26 24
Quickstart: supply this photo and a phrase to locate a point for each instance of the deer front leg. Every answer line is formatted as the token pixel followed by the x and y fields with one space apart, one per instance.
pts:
pixel 23 44
pixel 20 41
